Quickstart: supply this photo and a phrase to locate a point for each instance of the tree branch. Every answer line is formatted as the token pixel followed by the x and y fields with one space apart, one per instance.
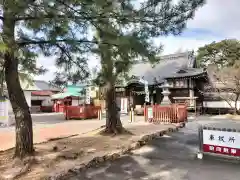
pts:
pixel 220 92
pixel 40 42
pixel 50 16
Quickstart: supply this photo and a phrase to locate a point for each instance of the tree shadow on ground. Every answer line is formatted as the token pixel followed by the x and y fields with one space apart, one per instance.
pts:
pixel 124 168
pixel 171 157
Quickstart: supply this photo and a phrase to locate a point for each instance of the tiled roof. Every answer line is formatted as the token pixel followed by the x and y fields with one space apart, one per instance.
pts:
pixel 168 65
pixel 43 85
pixel 38 85
pixel 29 86
pixel 187 72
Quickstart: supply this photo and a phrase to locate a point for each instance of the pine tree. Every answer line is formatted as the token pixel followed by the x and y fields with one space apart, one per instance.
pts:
pixel 63 28
pixel 223 54
pixel 123 38
pixel 31 27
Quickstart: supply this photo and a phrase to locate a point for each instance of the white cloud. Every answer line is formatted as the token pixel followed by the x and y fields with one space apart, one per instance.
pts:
pixel 219 16
pixel 49 64
pixel 174 44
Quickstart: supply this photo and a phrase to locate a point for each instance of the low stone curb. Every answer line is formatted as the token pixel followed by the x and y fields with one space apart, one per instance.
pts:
pixel 110 156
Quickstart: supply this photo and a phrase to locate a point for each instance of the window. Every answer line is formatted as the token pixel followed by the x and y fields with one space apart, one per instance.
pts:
pixel 36 102
pixel 181 83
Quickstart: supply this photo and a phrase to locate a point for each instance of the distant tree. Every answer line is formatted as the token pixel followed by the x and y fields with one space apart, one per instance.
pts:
pixel 225 83
pixel 223 53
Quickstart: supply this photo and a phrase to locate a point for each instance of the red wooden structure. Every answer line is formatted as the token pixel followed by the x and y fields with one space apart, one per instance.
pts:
pixel 60 105
pixel 174 113
pixel 81 112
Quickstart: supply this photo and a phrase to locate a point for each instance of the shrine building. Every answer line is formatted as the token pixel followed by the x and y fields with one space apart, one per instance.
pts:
pixel 176 72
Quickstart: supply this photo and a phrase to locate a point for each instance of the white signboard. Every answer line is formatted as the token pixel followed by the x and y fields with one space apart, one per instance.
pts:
pixel 124 104
pixel 150 113
pixel 221 142
pixel 221 138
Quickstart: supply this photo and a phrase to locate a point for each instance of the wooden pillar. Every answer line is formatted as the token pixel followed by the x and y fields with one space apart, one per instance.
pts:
pixel 191 93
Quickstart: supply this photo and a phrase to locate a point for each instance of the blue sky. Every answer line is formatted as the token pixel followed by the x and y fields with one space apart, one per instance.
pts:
pixel 199 33
pixel 217 20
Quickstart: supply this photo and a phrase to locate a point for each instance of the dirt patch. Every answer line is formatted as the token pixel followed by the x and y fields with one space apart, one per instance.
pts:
pixel 60 155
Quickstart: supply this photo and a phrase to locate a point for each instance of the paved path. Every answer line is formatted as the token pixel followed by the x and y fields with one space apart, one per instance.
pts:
pixel 170 157
pixel 51 127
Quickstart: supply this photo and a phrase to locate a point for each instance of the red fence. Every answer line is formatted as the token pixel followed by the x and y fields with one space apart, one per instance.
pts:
pixel 58 108
pixel 174 113
pixel 81 112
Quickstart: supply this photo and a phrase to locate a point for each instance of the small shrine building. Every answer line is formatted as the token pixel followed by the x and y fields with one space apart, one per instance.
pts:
pixel 176 71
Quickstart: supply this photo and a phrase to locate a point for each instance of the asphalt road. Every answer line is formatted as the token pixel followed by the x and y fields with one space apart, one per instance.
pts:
pixel 171 157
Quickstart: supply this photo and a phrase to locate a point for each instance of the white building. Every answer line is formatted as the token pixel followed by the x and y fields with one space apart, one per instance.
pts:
pixel 37 93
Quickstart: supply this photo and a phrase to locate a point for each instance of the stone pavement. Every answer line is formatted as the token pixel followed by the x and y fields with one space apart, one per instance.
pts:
pixel 171 157
pixel 46 129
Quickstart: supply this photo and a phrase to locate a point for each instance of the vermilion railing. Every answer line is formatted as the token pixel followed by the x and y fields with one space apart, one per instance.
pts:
pixel 58 108
pixel 81 112
pixel 175 113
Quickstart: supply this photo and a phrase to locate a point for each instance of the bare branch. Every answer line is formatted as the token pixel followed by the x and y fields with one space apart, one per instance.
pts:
pixel 225 82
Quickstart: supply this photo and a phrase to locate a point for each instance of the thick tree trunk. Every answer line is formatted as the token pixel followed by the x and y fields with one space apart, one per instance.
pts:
pixel 113 122
pixel 24 132
pixel 23 125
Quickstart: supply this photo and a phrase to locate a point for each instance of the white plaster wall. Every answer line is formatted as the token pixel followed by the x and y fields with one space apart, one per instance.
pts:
pixel 27 95
pixel 47 102
pixel 75 102
pixel 219 104
pixel 11 118
pixel 9 106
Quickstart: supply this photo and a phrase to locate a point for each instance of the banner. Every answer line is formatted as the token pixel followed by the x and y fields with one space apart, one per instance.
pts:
pixel 145 89
pixel 146 92
pixel 88 90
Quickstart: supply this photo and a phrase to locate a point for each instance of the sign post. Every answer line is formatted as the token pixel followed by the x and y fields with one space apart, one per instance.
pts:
pixel 150 113
pixel 224 142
